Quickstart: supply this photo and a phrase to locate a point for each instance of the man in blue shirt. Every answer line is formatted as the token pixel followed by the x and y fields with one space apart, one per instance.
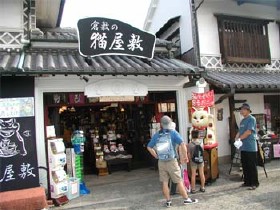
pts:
pixel 247 134
pixel 167 162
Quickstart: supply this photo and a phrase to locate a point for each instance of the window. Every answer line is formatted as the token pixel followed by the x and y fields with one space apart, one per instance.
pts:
pixel 243 40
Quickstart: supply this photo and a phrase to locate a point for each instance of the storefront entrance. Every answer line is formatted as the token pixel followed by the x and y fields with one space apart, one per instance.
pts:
pixel 272 110
pixel 119 128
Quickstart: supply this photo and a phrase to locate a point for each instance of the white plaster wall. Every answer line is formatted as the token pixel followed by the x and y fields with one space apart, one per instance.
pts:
pixel 222 128
pixel 208 30
pixel 11 14
pixel 189 92
pixel 167 9
pixel 274 38
pixel 255 100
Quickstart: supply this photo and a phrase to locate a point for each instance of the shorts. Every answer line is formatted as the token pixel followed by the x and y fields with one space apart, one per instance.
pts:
pixel 196 165
pixel 169 170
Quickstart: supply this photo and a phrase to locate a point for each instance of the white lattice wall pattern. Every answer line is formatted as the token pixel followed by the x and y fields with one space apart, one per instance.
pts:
pixel 275 64
pixel 25 19
pixel 211 62
pixel 215 62
pixel 29 17
pixel 10 39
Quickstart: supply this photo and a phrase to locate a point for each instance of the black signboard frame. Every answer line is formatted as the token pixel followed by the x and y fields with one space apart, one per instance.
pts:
pixel 18 156
pixel 103 36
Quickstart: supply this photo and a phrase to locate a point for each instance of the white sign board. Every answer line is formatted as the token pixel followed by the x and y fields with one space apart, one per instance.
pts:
pixel 116 87
pixel 16 107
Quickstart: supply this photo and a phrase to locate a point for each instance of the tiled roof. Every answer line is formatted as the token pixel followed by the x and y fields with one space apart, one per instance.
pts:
pixel 70 35
pixel 71 62
pixel 245 81
pixel 9 61
pixel 51 60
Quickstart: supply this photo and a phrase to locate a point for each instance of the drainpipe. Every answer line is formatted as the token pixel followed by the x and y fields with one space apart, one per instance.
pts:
pixel 195 31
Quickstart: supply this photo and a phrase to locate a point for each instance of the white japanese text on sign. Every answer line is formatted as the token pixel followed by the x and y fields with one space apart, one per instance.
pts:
pixel 203 99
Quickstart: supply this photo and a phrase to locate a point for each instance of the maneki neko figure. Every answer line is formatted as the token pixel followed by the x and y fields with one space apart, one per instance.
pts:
pixel 203 121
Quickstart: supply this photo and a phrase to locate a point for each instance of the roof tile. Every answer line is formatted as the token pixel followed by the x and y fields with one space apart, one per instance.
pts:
pixel 245 80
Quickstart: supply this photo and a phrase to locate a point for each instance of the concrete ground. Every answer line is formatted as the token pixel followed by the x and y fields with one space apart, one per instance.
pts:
pixel 140 189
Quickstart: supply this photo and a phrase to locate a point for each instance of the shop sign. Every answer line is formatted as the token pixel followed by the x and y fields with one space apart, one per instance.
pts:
pixel 76 98
pixel 116 87
pixel 203 99
pixel 17 107
pixel 103 36
pixel 116 98
pixel 18 168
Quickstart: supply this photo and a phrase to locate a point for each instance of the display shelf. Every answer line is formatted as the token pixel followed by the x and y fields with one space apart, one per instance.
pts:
pixel 57 175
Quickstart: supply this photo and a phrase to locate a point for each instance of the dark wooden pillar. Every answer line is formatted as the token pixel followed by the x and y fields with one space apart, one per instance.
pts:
pixel 232 123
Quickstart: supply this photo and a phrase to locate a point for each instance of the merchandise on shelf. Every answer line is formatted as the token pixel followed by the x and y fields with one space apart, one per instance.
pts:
pixel 78 140
pixel 57 160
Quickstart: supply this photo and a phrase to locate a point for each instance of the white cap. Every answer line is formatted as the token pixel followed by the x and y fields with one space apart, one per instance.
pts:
pixel 165 122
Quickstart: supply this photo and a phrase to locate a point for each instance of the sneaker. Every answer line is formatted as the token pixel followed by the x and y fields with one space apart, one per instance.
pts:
pixel 168 204
pixel 190 201
pixel 252 188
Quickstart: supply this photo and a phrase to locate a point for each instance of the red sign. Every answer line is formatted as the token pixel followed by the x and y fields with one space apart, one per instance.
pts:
pixel 76 98
pixel 203 99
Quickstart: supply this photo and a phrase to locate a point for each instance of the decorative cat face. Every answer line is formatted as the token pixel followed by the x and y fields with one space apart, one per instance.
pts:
pixel 199 118
pixel 8 127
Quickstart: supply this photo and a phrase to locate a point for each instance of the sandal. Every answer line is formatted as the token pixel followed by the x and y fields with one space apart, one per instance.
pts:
pixel 193 191
pixel 202 190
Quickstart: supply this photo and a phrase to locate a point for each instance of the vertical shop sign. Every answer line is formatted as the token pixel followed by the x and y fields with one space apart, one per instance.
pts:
pixel 103 36
pixel 18 168
pixel 76 98
pixel 203 99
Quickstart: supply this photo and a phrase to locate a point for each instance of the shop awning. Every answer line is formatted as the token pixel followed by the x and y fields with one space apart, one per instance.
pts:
pixel 253 81
pixel 71 62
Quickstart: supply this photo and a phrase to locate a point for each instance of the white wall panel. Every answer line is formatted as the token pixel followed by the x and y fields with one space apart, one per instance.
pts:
pixel 207 23
pixel 11 14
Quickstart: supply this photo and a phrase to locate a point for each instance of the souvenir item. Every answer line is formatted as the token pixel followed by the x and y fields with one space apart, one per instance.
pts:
pixel 120 147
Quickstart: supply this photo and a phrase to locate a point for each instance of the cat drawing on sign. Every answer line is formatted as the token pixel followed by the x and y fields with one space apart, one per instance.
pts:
pixel 11 142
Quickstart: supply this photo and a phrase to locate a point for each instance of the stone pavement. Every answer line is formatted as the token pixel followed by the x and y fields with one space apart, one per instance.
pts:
pixel 140 189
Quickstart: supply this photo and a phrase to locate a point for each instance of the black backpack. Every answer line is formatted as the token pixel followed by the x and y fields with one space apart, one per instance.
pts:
pixel 197 154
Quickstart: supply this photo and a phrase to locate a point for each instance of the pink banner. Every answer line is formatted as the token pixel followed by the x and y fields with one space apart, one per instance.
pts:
pixel 203 99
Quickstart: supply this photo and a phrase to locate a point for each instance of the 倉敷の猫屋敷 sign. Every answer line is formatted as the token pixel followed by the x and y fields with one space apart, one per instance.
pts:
pixel 103 36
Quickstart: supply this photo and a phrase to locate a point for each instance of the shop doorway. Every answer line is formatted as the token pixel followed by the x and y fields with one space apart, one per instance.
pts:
pixel 124 124
pixel 272 111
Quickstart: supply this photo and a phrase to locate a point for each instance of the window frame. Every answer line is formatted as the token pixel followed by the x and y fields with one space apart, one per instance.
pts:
pixel 242 31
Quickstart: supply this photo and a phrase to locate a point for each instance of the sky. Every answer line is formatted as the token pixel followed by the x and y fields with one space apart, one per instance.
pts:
pixel 132 12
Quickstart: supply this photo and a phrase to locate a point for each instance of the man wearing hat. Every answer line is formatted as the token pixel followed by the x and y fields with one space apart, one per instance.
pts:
pixel 163 147
pixel 247 135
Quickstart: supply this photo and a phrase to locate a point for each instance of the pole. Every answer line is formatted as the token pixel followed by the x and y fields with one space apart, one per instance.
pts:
pixel 195 33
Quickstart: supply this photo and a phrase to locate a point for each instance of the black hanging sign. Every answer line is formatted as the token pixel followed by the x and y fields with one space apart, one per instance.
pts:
pixel 103 36
pixel 18 156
